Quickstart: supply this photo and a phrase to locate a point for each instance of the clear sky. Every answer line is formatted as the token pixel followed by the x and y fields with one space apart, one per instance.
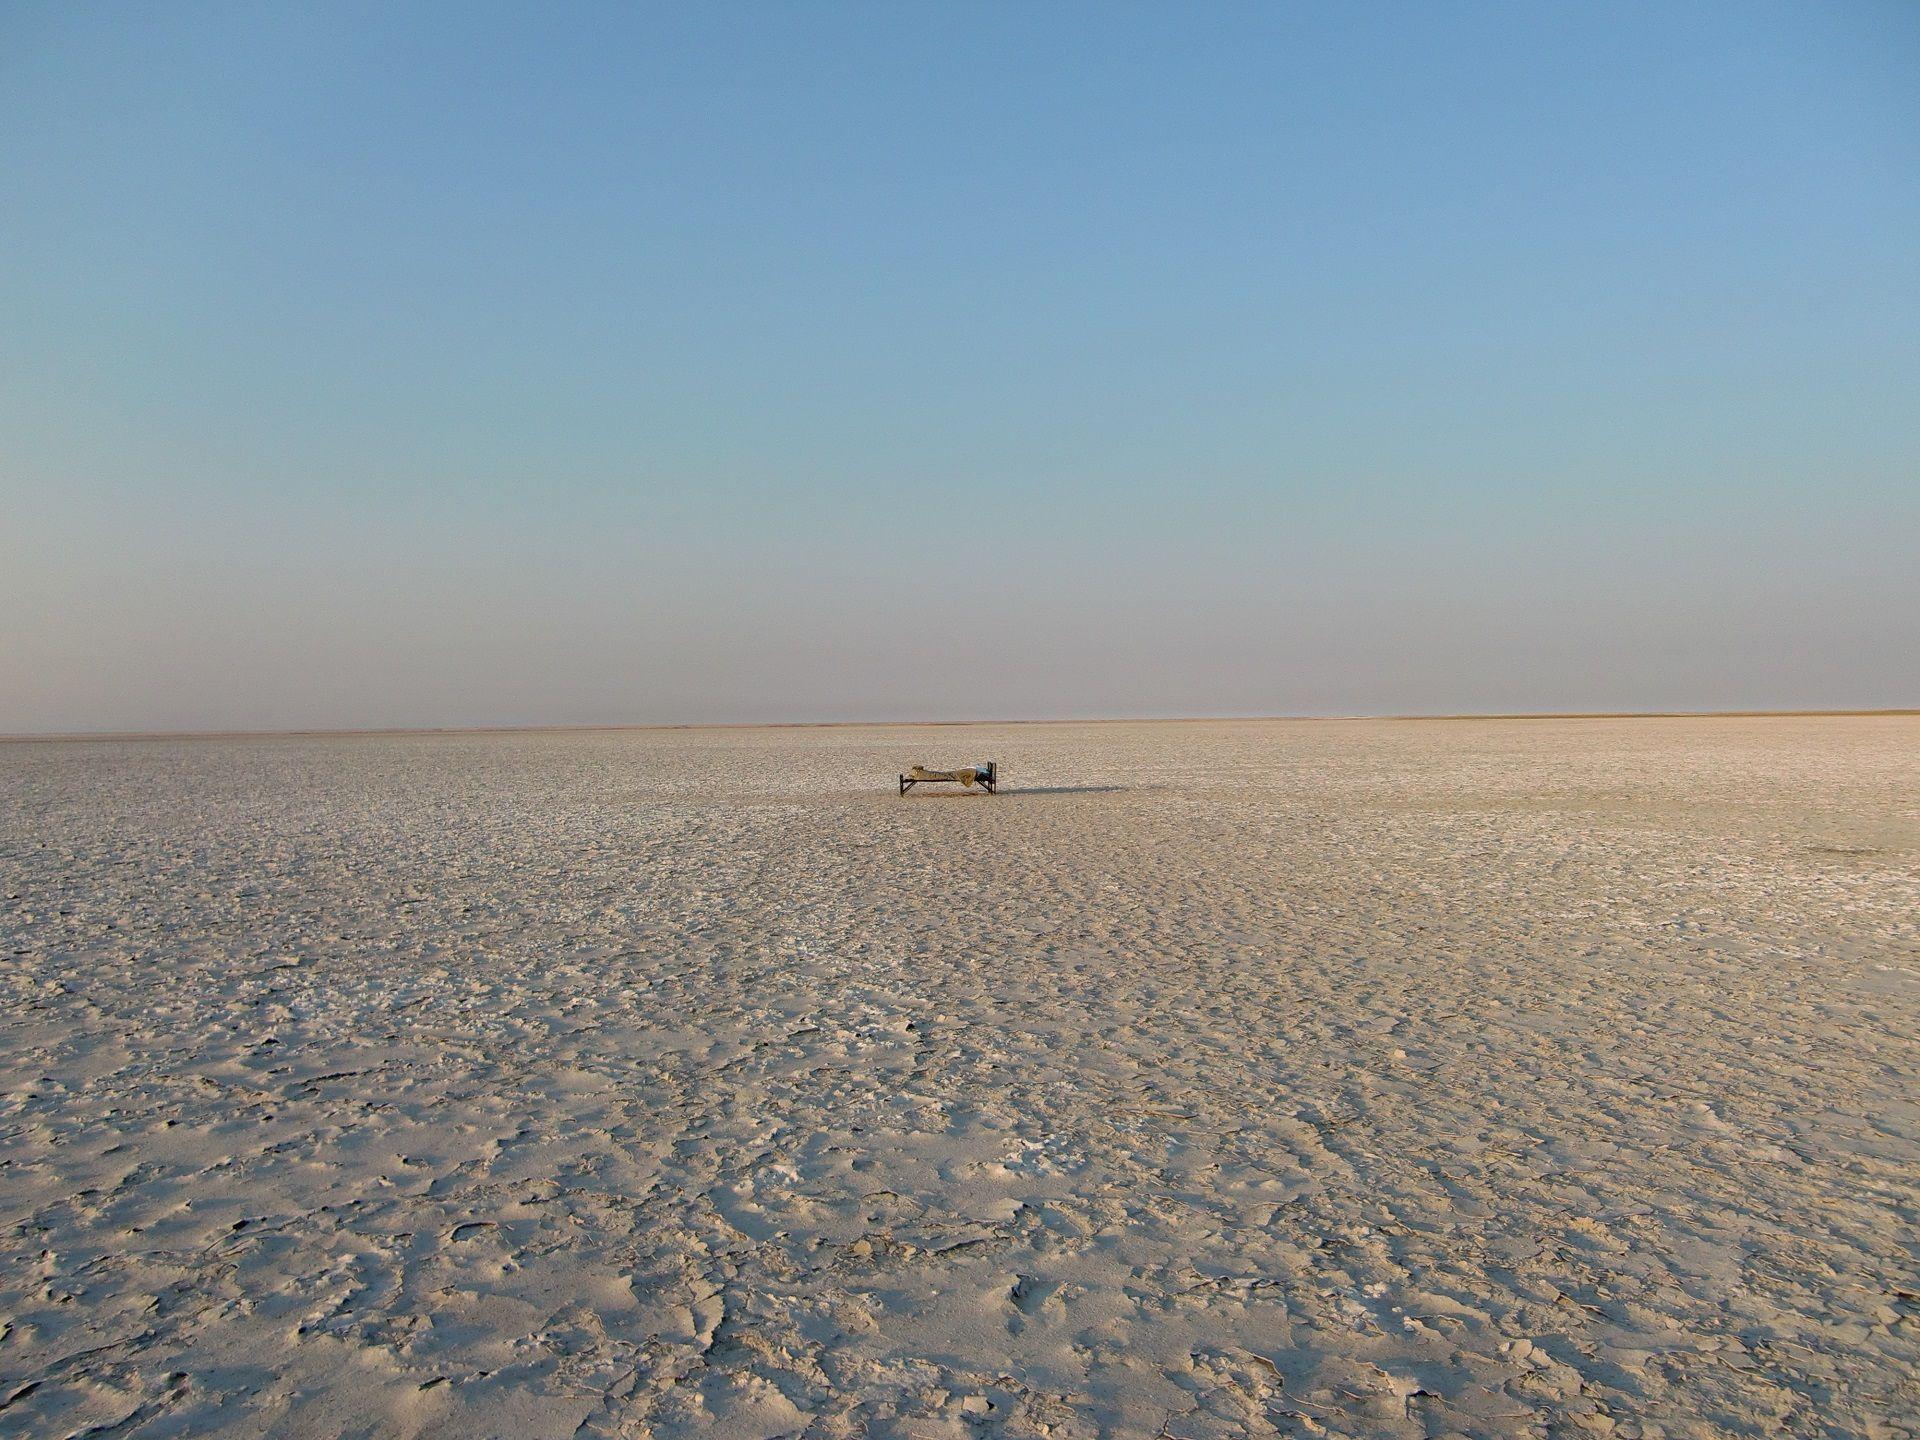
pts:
pixel 416 365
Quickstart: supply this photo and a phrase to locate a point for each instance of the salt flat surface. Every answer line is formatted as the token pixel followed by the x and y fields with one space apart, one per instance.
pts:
pixel 1378 1079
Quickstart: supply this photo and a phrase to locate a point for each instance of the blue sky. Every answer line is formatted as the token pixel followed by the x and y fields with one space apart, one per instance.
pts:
pixel 416 365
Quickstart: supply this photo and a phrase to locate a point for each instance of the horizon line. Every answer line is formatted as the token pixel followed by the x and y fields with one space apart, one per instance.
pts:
pixel 373 731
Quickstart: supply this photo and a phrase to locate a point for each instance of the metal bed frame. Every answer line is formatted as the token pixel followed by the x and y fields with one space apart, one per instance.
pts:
pixel 987 776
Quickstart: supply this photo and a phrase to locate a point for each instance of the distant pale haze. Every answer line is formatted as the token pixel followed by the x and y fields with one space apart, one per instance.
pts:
pixel 395 366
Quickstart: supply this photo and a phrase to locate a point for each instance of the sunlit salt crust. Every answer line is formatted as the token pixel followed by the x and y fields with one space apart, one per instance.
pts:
pixel 1365 1078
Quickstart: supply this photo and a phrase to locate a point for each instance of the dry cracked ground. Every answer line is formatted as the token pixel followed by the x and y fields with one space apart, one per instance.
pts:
pixel 1295 1078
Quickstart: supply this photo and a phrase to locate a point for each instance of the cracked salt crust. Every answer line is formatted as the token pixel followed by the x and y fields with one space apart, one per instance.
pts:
pixel 1373 1079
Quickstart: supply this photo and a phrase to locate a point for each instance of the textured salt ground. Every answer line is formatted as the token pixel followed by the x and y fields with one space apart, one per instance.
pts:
pixel 1383 1079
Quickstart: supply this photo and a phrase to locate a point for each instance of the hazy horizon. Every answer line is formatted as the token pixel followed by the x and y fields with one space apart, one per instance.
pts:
pixel 501 367
pixel 977 723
